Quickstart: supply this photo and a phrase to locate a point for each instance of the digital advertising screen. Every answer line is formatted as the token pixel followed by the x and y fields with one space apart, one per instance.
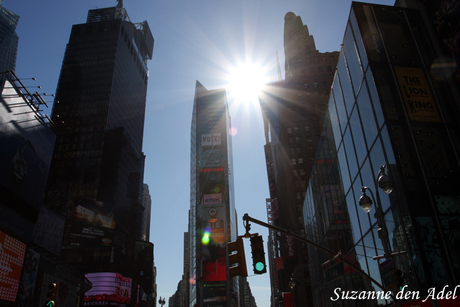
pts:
pixel 109 289
pixel 12 254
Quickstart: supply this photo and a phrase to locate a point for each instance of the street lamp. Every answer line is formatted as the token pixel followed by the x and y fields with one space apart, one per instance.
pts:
pixel 365 202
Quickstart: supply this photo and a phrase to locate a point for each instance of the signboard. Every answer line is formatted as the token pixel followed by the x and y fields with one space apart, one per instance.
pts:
pixel 12 254
pixel 211 139
pixel 212 199
pixel 92 220
pixel 290 251
pixel 109 289
pixel 416 93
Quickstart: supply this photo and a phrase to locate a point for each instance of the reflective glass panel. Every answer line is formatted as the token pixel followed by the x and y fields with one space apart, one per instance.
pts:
pixel 339 104
pixel 351 55
pixel 345 82
pixel 367 116
pixel 358 40
pixel 358 137
pixel 375 98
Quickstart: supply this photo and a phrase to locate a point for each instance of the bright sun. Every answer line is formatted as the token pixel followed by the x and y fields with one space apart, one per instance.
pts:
pixel 245 82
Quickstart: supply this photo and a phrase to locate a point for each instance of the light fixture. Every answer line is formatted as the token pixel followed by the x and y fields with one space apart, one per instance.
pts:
pixel 365 202
pixel 385 182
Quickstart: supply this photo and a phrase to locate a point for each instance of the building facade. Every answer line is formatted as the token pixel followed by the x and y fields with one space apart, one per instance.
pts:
pixel 389 106
pixel 293 112
pixel 96 172
pixel 30 233
pixel 212 208
pixel 8 39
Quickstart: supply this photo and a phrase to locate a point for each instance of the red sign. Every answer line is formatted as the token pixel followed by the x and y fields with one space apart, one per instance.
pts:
pixel 12 256
pixel 288 299
pixel 211 169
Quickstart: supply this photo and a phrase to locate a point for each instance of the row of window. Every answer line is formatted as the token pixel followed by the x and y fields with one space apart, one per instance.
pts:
pixel 298 129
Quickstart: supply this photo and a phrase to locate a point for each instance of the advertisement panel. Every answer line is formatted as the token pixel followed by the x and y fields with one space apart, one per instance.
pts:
pixel 109 289
pixel 416 93
pixel 92 220
pixel 211 139
pixel 12 254
pixel 212 199
pixel 214 294
pixel 29 277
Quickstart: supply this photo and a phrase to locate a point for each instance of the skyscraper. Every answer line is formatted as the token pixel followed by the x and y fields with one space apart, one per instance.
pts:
pixel 293 112
pixel 212 201
pixel 96 173
pixel 392 104
pixel 8 39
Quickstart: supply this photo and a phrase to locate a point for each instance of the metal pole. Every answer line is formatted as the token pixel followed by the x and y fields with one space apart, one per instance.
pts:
pixel 247 218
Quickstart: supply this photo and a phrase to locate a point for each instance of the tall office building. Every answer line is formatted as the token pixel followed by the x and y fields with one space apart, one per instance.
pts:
pixel 96 173
pixel 8 39
pixel 212 201
pixel 293 112
pixel 392 104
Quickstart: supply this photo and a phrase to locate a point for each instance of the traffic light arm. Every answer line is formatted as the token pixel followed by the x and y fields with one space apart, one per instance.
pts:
pixel 248 219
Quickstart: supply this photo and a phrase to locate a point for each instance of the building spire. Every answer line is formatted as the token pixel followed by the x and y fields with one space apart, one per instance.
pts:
pixel 119 5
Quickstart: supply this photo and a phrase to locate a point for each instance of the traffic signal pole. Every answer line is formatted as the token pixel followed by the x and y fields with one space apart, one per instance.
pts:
pixel 333 255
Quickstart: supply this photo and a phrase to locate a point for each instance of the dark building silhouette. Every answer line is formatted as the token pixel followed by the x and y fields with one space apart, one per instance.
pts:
pixel 8 39
pixel 96 173
pixel 293 112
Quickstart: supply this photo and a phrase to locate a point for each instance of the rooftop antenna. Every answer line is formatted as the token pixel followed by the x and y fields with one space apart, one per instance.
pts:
pixel 278 67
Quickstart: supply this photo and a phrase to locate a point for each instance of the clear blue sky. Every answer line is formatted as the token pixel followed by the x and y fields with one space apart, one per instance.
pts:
pixel 194 40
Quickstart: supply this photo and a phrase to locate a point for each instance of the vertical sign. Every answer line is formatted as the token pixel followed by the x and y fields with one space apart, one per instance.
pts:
pixel 12 254
pixel 419 101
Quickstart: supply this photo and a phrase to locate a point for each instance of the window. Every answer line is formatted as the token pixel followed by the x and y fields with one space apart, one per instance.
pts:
pixel 300 160
pixel 307 128
pixel 289 130
pixel 293 162
pixel 302 172
pixel 320 69
pixel 296 129
pixel 297 139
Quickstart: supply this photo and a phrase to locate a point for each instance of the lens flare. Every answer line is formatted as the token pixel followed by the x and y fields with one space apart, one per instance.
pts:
pixel 232 131
pixel 206 236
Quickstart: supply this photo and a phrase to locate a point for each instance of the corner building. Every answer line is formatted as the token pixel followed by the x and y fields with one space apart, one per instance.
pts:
pixel 96 174
pixel 212 203
pixel 389 106
pixel 293 112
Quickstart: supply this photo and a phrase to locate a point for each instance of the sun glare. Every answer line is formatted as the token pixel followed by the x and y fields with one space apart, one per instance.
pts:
pixel 245 82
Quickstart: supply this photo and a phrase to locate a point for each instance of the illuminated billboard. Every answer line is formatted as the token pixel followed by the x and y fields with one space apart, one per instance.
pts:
pixel 92 220
pixel 109 289
pixel 12 254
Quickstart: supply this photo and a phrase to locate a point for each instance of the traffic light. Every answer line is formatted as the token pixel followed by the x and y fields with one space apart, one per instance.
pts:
pixel 51 296
pixel 258 255
pixel 399 276
pixel 236 258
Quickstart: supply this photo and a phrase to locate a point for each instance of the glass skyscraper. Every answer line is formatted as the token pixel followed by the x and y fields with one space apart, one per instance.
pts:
pixel 389 106
pixel 96 173
pixel 8 39
pixel 212 201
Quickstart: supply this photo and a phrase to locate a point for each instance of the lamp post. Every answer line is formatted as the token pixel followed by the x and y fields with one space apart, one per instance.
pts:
pixel 365 202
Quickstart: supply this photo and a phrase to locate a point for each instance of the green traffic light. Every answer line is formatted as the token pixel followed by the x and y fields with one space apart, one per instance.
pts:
pixel 259 266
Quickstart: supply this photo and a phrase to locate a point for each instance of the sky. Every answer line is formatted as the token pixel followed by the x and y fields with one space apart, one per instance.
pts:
pixel 204 40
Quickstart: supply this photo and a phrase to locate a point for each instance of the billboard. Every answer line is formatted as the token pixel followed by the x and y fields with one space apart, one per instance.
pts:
pixel 92 220
pixel 211 139
pixel 416 93
pixel 12 254
pixel 109 289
